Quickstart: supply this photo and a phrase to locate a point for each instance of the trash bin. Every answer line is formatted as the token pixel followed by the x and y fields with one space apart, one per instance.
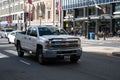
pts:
pixel 91 35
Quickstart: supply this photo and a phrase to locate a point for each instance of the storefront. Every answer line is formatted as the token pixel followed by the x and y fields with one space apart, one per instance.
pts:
pixel 116 18
pixel 90 18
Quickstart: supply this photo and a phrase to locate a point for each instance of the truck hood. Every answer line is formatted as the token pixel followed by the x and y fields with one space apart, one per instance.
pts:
pixel 49 37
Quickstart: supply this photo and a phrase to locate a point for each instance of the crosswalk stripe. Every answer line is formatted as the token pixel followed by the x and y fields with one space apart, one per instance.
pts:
pixel 6 45
pixel 11 51
pixel 3 42
pixel 3 56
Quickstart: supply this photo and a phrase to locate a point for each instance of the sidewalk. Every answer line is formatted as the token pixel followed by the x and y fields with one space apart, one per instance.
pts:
pixel 109 51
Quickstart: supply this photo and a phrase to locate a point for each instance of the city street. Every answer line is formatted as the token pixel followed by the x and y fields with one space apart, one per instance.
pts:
pixel 90 67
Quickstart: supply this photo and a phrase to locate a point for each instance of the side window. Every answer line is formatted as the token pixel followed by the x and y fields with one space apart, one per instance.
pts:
pixel 2 30
pixel 13 33
pixel 34 32
pixel 29 31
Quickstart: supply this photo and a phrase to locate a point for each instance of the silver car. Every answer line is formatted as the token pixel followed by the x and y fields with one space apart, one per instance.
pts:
pixel 4 32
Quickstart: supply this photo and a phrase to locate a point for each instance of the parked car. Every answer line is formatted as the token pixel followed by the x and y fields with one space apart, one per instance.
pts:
pixel 11 36
pixel 5 31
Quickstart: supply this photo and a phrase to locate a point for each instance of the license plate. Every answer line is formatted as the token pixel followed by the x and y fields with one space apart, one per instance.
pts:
pixel 67 57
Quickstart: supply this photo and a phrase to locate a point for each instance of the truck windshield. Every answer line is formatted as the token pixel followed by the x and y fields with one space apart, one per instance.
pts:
pixel 51 31
pixel 9 30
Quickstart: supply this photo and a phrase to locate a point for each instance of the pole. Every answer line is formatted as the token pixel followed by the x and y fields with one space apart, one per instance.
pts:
pixel 53 12
pixel 29 15
pixel 0 24
pixel 40 14
pixel 24 17
pixel 88 18
pixel 60 15
pixel 40 20
pixel 9 13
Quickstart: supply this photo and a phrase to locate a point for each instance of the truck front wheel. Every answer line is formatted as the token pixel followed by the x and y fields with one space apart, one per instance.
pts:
pixel 74 59
pixel 19 50
pixel 40 56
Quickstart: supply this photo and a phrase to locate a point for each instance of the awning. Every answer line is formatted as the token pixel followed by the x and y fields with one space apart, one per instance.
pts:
pixel 3 25
pixel 116 16
pixel 19 24
pixel 86 18
pixel 82 18
pixel 94 17
pixel 117 12
pixel 13 24
pixel 106 16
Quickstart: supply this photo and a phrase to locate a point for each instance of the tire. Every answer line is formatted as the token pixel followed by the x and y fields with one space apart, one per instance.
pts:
pixel 9 41
pixel 40 56
pixel 1 36
pixel 19 50
pixel 74 59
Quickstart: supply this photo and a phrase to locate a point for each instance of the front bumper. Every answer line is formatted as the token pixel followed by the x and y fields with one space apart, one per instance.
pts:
pixel 62 53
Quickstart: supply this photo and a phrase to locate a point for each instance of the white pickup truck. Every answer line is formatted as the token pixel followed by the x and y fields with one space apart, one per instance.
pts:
pixel 46 42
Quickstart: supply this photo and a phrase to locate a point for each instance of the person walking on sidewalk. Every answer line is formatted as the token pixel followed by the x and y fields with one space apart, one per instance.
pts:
pixel 118 32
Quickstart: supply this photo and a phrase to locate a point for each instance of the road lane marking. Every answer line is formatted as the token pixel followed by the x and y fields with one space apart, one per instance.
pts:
pixel 25 62
pixel 11 51
pixel 3 56
pixel 15 53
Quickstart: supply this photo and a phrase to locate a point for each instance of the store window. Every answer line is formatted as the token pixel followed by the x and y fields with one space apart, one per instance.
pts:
pixel 92 11
pixel 117 7
pixel 117 24
pixel 105 9
pixel 48 14
pixel 79 13
pixel 108 9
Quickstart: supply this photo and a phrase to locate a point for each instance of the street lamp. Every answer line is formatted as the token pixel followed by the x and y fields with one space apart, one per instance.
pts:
pixel 88 22
pixel 40 17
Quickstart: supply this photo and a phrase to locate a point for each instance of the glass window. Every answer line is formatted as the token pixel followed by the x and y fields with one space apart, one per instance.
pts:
pixel 117 7
pixel 107 0
pixel 48 14
pixel 51 31
pixel 108 9
pixel 79 12
pixel 92 11
pixel 29 31
pixel 33 32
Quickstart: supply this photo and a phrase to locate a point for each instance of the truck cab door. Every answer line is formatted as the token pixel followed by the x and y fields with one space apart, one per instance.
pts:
pixel 32 40
pixel 25 41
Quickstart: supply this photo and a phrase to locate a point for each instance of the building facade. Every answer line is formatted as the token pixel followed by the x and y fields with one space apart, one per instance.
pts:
pixel 21 13
pixel 92 15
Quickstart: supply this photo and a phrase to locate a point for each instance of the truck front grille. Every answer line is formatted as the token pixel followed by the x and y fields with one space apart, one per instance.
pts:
pixel 64 44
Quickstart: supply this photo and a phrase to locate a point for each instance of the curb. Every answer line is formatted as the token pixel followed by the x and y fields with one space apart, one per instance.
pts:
pixel 104 53
pixel 116 54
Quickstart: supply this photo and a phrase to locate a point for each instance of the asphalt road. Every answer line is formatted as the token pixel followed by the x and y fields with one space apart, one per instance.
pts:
pixel 90 67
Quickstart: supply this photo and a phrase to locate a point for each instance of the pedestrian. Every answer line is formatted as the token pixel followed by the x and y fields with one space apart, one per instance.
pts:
pixel 118 32
pixel 72 31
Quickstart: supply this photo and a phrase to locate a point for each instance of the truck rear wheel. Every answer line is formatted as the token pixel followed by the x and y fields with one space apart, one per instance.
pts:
pixel 19 50
pixel 9 41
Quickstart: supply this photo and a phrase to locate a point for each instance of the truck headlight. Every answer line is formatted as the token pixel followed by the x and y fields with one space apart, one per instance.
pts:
pixel 79 42
pixel 47 44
